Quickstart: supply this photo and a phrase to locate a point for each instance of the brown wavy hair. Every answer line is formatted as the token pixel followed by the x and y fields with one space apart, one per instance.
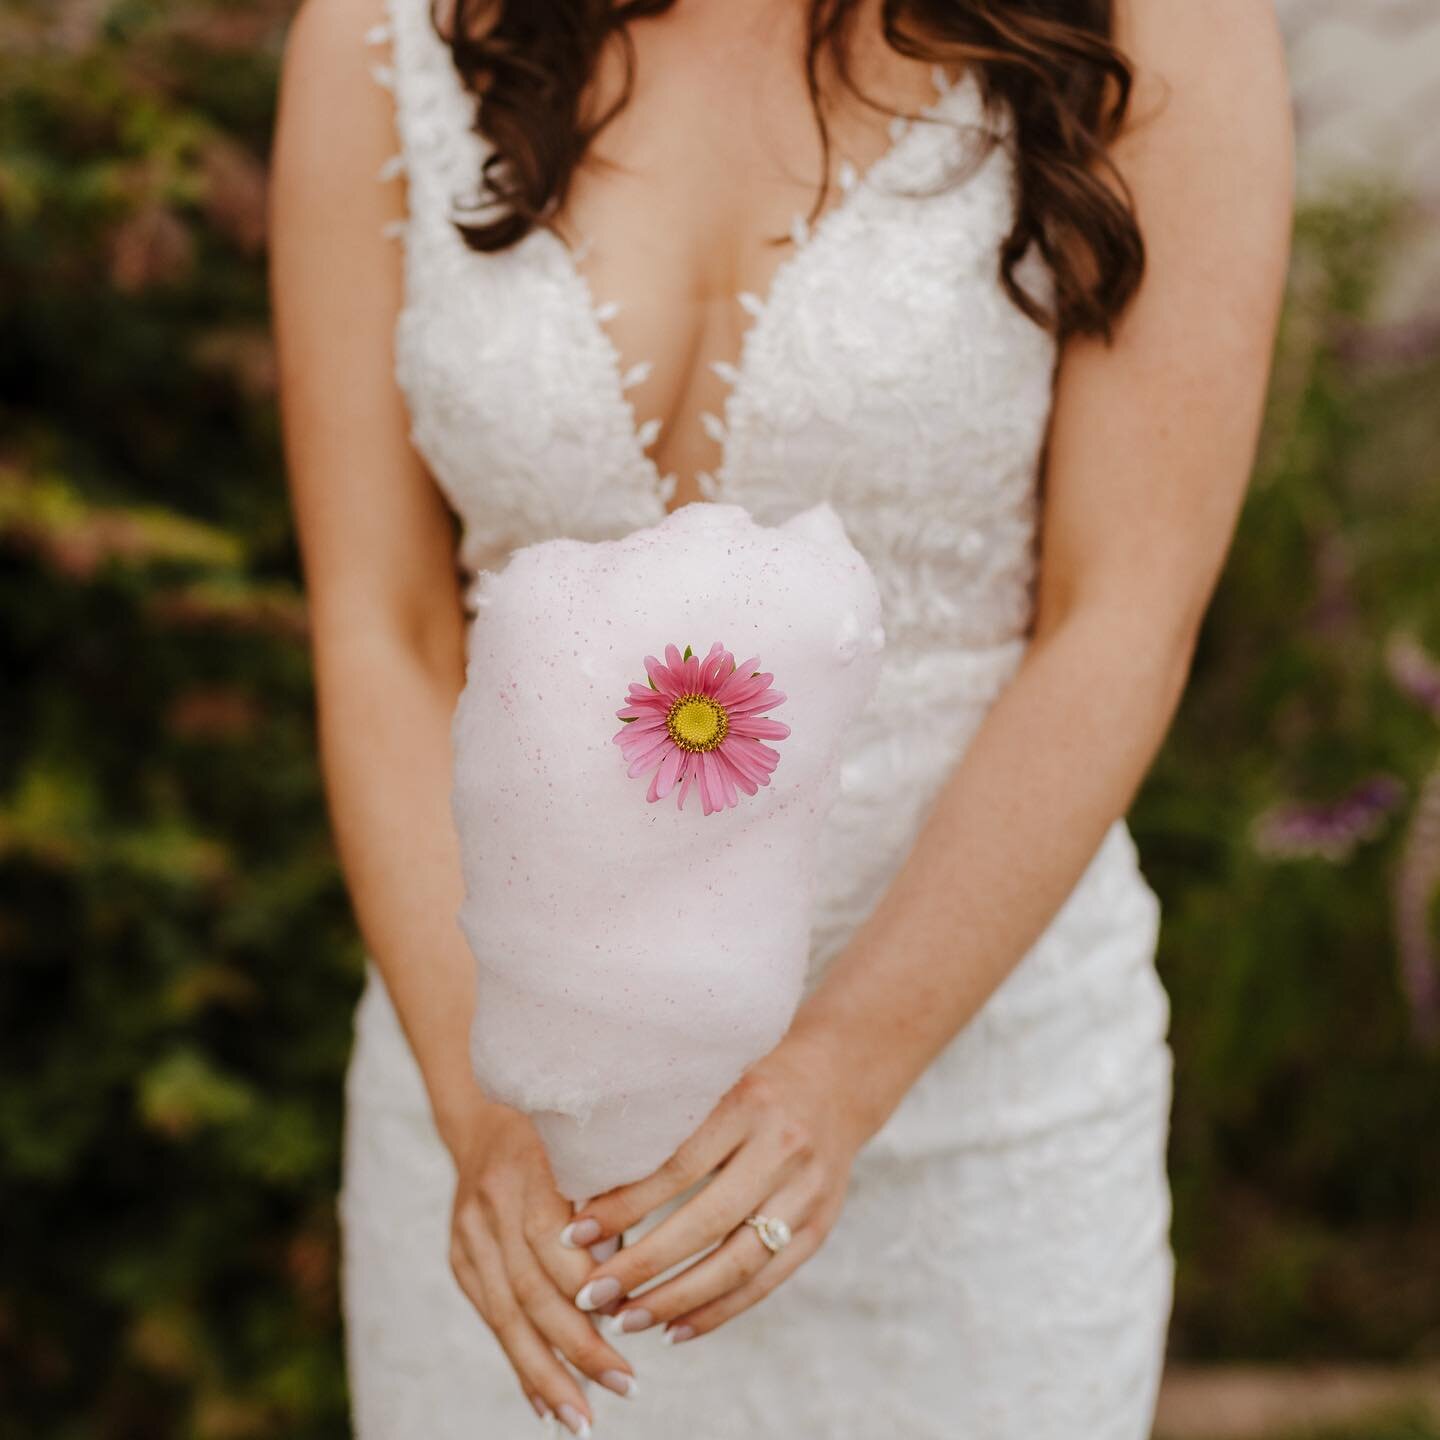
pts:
pixel 1052 62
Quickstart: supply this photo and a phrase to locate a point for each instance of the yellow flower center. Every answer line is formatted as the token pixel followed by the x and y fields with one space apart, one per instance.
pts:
pixel 696 722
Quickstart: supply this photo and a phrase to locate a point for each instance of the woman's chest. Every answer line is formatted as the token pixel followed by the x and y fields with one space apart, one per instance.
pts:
pixel 703 186
pixel 884 353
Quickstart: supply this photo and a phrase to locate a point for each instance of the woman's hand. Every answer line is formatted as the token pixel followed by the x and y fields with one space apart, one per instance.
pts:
pixel 506 1252
pixel 782 1142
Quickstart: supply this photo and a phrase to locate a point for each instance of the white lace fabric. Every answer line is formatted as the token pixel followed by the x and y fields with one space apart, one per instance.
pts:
pixel 1002 1267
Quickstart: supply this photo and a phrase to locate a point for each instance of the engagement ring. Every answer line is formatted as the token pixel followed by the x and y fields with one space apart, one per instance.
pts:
pixel 774 1234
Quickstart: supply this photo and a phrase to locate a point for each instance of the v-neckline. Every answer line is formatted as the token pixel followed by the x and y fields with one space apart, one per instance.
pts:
pixel 659 487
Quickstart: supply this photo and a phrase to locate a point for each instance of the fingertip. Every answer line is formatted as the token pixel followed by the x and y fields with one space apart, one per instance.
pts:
pixel 621 1382
pixel 581 1232
pixel 596 1293
pixel 574 1421
pixel 604 1249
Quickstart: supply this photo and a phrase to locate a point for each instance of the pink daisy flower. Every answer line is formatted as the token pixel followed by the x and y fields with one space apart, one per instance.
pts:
pixel 699 723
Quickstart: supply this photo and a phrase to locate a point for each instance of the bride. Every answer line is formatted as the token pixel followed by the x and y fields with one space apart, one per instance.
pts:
pixel 572 264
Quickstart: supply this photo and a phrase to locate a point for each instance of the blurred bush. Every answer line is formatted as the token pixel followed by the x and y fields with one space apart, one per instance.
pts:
pixel 179 961
pixel 1292 826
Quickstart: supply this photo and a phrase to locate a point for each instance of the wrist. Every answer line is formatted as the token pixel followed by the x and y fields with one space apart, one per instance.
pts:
pixel 458 1111
pixel 824 1053
pixel 867 1076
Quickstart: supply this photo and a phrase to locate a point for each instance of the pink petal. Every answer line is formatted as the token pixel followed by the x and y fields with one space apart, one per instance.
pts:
pixel 761 756
pixel 702 763
pixel 772 757
pixel 665 683
pixel 668 772
pixel 737 691
pixel 715 669
pixel 721 770
pixel 756 691
pixel 735 773
pixel 757 703
pixel 638 736
pixel 641 717
pixel 740 677
pixel 756 753
pixel 725 794
pixel 756 727
pixel 688 772
pixel 684 670
pixel 741 763
pixel 643 759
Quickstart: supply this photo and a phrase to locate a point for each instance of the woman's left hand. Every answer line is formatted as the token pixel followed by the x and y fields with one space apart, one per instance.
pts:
pixel 782 1142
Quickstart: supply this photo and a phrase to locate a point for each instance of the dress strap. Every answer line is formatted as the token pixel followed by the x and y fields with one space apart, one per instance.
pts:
pixel 439 154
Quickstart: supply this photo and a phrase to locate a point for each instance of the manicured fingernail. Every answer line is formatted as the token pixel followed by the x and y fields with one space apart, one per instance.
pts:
pixel 598 1292
pixel 627 1322
pixel 541 1408
pixel 579 1232
pixel 619 1382
pixel 574 1421
pixel 676 1333
pixel 604 1250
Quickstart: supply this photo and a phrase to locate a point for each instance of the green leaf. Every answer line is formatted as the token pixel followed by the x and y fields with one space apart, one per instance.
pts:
pixel 185 1091
pixel 688 653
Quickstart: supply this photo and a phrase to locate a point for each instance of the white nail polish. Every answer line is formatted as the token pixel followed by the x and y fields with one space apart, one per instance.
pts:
pixel 599 1292
pixel 574 1421
pixel 620 1383
pixel 578 1233
pixel 676 1334
pixel 633 1318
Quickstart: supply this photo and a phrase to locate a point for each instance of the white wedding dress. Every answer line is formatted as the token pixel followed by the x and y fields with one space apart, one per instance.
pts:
pixel 1001 1270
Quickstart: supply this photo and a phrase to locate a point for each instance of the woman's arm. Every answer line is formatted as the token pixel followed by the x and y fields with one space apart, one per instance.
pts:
pixel 1151 443
pixel 387 629
pixel 376 541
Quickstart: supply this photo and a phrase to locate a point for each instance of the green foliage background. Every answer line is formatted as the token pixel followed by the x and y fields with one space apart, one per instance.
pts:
pixel 179 962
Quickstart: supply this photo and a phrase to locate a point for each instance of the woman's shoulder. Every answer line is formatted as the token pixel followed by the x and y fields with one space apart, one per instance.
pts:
pixel 335 124
pixel 334 39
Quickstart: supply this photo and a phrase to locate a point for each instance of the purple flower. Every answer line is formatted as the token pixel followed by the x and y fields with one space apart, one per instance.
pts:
pixel 1328 832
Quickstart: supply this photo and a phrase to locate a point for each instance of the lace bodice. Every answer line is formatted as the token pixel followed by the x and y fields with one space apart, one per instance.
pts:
pixel 914 400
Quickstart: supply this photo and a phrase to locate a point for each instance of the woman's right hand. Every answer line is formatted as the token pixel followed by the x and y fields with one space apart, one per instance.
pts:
pixel 504 1251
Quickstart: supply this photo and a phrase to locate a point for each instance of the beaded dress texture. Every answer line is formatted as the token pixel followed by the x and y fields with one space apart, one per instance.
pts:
pixel 1001 1269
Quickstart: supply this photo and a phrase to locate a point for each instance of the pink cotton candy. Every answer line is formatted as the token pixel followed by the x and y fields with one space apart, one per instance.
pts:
pixel 636 949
